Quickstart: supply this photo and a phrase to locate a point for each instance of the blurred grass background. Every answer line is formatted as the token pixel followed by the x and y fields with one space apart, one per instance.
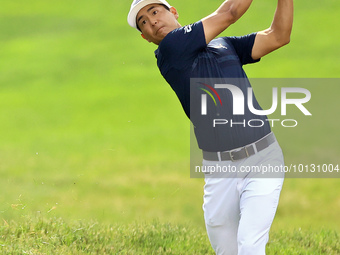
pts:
pixel 90 130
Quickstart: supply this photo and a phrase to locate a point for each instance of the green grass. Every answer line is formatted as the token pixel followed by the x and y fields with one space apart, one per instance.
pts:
pixel 90 131
pixel 55 236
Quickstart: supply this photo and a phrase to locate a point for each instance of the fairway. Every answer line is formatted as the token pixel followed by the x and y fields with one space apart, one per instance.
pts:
pixel 91 132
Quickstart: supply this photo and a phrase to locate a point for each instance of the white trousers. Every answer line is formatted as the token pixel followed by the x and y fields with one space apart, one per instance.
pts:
pixel 239 208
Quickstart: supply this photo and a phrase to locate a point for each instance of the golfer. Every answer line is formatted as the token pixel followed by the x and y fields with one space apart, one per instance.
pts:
pixel 239 208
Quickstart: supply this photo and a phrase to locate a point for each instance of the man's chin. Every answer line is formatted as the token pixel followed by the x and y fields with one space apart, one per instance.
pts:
pixel 160 36
pixel 163 33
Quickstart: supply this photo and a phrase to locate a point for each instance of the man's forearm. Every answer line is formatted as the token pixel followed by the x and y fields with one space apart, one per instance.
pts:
pixel 228 13
pixel 283 20
pixel 234 8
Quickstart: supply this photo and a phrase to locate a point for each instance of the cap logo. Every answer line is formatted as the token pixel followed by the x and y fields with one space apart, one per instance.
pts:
pixel 136 2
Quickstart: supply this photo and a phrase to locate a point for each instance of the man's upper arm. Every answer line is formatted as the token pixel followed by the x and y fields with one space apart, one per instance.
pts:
pixel 279 32
pixel 265 42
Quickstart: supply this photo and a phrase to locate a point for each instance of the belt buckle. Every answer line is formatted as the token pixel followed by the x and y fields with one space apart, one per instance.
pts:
pixel 231 153
pixel 245 147
pixel 231 156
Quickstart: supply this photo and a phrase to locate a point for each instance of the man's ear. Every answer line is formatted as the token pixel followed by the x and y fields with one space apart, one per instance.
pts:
pixel 174 12
pixel 145 37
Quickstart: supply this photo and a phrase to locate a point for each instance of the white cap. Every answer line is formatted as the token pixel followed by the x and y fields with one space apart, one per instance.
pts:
pixel 137 5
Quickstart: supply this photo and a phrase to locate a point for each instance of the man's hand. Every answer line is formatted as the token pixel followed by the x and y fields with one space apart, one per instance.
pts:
pixel 228 13
pixel 278 34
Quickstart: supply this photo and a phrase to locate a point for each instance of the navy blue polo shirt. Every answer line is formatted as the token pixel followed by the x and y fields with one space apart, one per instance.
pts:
pixel 182 55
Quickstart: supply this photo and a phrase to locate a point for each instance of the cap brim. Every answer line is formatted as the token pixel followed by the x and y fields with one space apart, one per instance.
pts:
pixel 134 11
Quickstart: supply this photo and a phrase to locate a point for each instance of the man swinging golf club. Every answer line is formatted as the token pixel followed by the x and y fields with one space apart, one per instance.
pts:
pixel 238 211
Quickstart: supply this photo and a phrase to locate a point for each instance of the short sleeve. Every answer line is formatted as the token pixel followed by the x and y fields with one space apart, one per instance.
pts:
pixel 181 46
pixel 243 46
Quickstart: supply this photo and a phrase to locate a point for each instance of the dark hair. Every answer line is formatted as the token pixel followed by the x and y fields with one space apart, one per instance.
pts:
pixel 166 7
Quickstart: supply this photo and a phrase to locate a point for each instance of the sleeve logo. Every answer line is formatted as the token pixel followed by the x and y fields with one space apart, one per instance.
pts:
pixel 187 29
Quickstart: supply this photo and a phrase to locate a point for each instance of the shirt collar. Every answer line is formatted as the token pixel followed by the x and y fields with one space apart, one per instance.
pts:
pixel 156 52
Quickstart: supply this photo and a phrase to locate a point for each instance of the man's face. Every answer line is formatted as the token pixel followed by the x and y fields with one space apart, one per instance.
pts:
pixel 155 22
